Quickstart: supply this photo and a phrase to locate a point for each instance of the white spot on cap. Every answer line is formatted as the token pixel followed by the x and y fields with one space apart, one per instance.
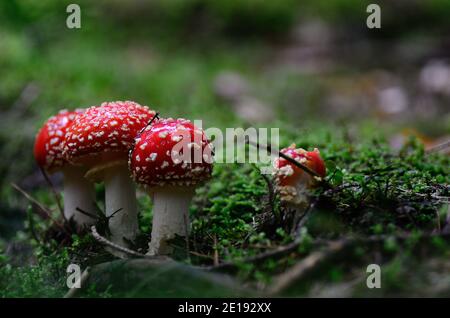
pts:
pixel 177 138
pixel 163 134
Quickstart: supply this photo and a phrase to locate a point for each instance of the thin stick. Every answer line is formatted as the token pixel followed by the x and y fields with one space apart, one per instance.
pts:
pixel 271 192
pixel 38 204
pixel 216 252
pixel 32 229
pixel 446 228
pixel 438 221
pixel 270 189
pixel 55 194
pixel 117 247
pixel 299 270
pixel 95 217
pixel 282 155
pixel 438 147
pixel 304 218
pixel 186 225
pixel 201 255
pixel 291 247
pixel 279 251
pixel 156 116
pixel 296 272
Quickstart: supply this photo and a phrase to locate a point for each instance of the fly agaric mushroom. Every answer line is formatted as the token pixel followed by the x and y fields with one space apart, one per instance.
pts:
pixel 48 148
pixel 100 139
pixel 293 183
pixel 170 158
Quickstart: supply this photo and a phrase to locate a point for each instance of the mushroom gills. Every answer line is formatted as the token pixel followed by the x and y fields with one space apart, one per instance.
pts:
pixel 170 216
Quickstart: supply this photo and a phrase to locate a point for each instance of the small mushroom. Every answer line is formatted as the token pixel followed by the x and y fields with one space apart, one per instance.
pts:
pixel 48 148
pixel 170 157
pixel 100 139
pixel 293 183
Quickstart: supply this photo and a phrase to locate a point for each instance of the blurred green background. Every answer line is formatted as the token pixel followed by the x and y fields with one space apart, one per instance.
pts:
pixel 311 68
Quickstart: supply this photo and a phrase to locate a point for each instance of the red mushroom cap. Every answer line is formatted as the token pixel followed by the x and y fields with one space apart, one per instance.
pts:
pixel 107 130
pixel 171 152
pixel 316 162
pixel 287 173
pixel 48 145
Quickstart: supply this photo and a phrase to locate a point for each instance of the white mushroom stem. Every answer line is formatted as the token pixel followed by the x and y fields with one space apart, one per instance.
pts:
pixel 296 197
pixel 120 193
pixel 78 193
pixel 170 216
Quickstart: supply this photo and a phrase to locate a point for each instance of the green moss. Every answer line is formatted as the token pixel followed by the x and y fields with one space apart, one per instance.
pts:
pixel 44 279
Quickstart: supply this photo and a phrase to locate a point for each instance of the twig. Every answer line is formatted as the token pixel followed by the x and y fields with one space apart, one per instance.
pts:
pixel 271 192
pixel 438 221
pixel 439 198
pixel 284 156
pixel 186 225
pixel 269 188
pixel 291 247
pixel 297 271
pixel 156 116
pixel 279 251
pixel 32 200
pixel 46 211
pixel 438 147
pixel 32 229
pixel 304 218
pixel 216 252
pixel 201 255
pixel 55 194
pixel 114 213
pixel 117 247
pixel 72 292
pixel 99 216
pixel 341 187
pixel 446 228
pixel 95 217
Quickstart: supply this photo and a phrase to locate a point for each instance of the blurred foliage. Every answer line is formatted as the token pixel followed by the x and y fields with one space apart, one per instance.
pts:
pixel 233 17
